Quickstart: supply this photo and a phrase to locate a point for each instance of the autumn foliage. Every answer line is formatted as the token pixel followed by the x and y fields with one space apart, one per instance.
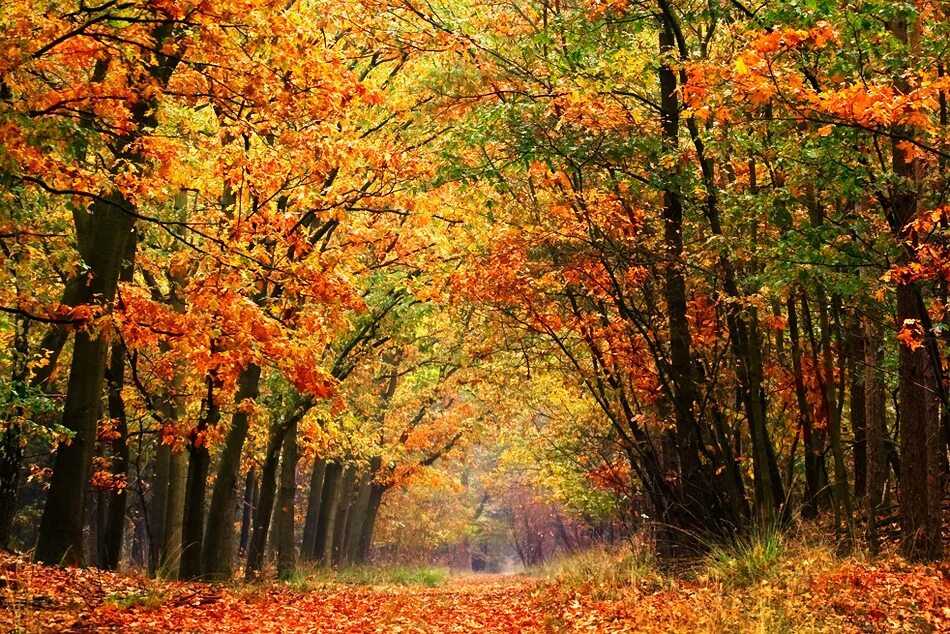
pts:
pixel 313 284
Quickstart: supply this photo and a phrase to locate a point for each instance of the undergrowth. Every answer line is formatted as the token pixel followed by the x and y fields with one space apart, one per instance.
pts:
pixel 765 580
pixel 308 578
pixel 747 558
pixel 605 570
pixel 149 599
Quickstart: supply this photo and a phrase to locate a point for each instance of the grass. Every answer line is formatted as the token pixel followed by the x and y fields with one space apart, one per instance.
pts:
pixel 748 558
pixel 307 579
pixel 149 599
pixel 606 571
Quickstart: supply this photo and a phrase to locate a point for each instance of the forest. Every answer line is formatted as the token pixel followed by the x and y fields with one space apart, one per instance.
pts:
pixel 475 315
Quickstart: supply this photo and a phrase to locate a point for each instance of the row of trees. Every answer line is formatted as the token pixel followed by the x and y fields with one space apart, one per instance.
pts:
pixel 728 223
pixel 212 270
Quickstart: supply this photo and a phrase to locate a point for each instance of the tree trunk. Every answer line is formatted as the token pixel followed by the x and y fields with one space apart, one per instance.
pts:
pixel 834 400
pixel 874 403
pixel 11 449
pixel 219 534
pixel 102 245
pixel 369 526
pixel 286 543
pixel 192 524
pixel 330 498
pixel 175 515
pixel 158 507
pixel 265 504
pixel 314 496
pixel 247 511
pixel 920 442
pixel 921 483
pixel 341 515
pixel 810 506
pixel 858 410
pixel 357 519
pixel 703 507
pixel 199 462
pixel 115 519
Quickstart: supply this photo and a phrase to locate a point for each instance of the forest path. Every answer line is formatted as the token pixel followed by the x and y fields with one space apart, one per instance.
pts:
pixel 842 597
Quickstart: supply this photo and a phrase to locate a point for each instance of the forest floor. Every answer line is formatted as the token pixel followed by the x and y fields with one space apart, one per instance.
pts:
pixel 804 596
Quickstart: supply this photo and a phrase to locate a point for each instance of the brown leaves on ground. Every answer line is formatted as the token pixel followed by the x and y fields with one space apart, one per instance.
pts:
pixel 847 598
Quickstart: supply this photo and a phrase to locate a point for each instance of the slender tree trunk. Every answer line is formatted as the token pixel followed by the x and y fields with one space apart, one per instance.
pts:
pixel 247 511
pixel 158 507
pixel 702 504
pixel 199 462
pixel 219 534
pixel 114 528
pixel 876 429
pixel 314 497
pixel 265 504
pixel 858 410
pixel 115 521
pixel 286 543
pixel 11 448
pixel 331 498
pixel 810 506
pixel 102 245
pixel 842 491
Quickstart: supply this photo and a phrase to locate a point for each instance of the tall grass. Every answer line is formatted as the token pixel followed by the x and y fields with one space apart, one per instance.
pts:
pixel 605 570
pixel 748 558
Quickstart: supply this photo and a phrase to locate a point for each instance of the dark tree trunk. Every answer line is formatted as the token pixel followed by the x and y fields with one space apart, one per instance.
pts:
pixel 286 543
pixel 330 497
pixel 115 520
pixel 921 483
pixel 192 524
pixel 102 245
pixel 703 509
pixel 314 497
pixel 342 512
pixel 199 462
pixel 369 526
pixel 265 504
pixel 247 511
pixel 858 410
pixel 11 449
pixel 219 534
pixel 810 506
pixel 834 398
pixel 920 442
pixel 874 403
pixel 114 528
pixel 102 232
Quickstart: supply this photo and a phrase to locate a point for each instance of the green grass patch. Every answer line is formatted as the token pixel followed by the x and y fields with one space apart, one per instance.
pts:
pixel 147 600
pixel 427 576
